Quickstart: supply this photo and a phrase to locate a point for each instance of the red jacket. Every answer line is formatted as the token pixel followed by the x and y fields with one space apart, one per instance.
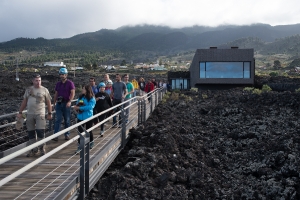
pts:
pixel 149 86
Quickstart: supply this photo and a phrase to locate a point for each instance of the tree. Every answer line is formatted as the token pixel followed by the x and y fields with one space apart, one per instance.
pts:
pixel 123 63
pixel 95 66
pixel 277 64
pixel 88 66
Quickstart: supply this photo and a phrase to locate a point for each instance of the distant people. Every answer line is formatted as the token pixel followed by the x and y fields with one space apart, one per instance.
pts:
pixel 106 78
pixel 164 87
pixel 64 94
pixel 149 88
pixel 93 85
pixel 154 83
pixel 160 84
pixel 142 86
pixel 84 108
pixel 35 99
pixel 103 102
pixel 136 88
pixel 95 91
pixel 118 93
pixel 169 86
pixel 130 91
pixel 108 87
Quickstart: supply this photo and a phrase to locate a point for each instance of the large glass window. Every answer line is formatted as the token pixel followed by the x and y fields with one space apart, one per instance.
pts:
pixel 202 69
pixel 246 69
pixel 224 69
pixel 180 83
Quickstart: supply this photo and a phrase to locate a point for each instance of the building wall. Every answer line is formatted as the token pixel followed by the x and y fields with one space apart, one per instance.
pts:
pixel 221 55
pixel 54 64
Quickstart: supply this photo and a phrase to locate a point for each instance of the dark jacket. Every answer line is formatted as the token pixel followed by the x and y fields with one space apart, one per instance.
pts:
pixel 104 101
pixel 142 85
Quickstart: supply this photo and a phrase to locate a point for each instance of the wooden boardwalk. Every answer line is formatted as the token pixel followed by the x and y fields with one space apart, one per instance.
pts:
pixel 57 177
pixel 49 178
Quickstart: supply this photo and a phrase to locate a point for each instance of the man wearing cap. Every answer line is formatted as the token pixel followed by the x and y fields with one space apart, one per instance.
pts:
pixel 64 94
pixel 35 98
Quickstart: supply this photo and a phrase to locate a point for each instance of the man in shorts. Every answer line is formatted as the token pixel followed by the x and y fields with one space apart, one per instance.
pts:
pixel 35 99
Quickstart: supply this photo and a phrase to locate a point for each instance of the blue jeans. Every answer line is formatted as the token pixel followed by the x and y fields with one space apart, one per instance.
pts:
pixel 62 112
pixel 134 94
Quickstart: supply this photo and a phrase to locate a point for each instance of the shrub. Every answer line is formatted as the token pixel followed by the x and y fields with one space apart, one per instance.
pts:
pixel 194 89
pixel 204 96
pixel 285 74
pixel 176 90
pixel 273 74
pixel 248 88
pixel 266 88
pixel 297 90
pixel 256 91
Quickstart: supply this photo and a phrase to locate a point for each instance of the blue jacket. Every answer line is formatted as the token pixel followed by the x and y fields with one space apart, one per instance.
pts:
pixel 87 108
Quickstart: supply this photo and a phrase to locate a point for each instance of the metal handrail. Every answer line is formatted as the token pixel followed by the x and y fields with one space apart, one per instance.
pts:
pixel 24 111
pixel 55 150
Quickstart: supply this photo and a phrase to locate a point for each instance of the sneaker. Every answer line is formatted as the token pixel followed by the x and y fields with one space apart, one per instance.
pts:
pixel 31 153
pixel 101 133
pixel 114 125
pixel 55 139
pixel 120 126
pixel 67 137
pixel 91 145
pixel 78 150
pixel 42 152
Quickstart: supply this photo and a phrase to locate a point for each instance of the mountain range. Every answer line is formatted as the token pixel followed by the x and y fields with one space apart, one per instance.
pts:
pixel 165 40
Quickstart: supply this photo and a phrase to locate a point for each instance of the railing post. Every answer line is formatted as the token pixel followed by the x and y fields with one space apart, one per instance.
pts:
pixel 84 164
pixel 123 131
pixel 144 110
pixel 155 98
pixel 151 102
pixel 139 111
pixel 160 94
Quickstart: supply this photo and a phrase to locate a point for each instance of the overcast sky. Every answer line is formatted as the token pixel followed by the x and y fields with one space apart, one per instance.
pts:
pixel 65 18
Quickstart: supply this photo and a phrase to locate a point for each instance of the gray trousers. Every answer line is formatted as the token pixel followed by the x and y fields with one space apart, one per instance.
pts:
pixel 127 110
pixel 36 135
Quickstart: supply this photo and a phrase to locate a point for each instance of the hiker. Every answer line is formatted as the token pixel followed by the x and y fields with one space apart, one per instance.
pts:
pixel 130 91
pixel 149 88
pixel 84 108
pixel 35 98
pixel 118 93
pixel 64 94
pixel 103 102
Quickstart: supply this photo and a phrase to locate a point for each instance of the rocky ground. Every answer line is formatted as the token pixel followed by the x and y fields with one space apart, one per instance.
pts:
pixel 229 144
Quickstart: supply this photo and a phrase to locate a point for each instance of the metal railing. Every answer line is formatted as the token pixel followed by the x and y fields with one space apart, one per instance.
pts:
pixel 140 110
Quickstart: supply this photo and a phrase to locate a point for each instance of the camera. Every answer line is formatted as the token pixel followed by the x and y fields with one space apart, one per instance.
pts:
pixel 80 103
pixel 59 99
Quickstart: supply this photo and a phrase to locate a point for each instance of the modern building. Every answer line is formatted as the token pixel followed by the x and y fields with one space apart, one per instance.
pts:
pixel 215 67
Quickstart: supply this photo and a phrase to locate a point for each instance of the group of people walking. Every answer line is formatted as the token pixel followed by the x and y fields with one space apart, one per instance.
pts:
pixel 94 99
